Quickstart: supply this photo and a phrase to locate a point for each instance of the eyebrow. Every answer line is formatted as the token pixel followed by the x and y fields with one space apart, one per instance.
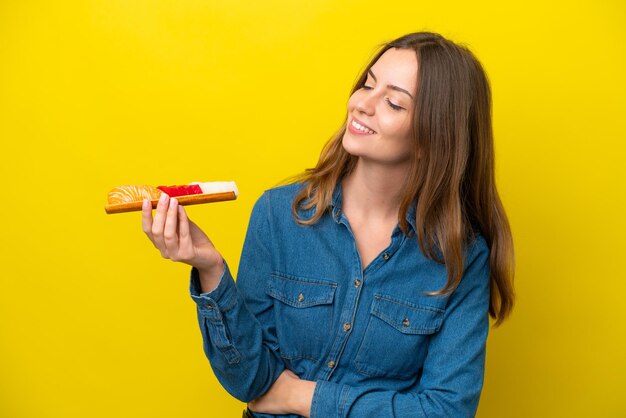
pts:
pixel 391 86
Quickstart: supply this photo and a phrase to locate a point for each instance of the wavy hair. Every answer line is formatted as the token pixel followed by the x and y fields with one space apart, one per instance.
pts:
pixel 453 185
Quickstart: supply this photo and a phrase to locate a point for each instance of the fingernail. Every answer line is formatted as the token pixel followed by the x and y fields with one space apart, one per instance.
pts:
pixel 163 198
pixel 146 204
pixel 172 202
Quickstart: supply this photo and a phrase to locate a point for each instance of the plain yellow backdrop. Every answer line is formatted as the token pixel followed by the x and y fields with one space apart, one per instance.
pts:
pixel 99 93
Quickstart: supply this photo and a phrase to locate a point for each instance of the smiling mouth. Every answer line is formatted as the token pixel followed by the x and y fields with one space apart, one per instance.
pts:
pixel 364 129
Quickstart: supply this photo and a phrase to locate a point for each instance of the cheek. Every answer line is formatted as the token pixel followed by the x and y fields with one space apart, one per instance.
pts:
pixel 396 126
pixel 399 137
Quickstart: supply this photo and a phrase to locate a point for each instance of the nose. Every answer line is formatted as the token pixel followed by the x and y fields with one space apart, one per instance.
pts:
pixel 365 103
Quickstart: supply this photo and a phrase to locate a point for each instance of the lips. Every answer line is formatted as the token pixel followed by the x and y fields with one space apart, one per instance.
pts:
pixel 359 128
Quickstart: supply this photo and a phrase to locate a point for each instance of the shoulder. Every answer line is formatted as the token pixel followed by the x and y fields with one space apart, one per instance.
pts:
pixel 477 246
pixel 285 192
pixel 477 269
pixel 280 198
pixel 277 201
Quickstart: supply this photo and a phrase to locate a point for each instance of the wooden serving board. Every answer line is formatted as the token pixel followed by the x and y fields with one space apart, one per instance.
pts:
pixel 193 199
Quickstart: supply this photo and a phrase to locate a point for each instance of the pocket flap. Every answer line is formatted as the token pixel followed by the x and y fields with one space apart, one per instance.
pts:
pixel 300 292
pixel 407 317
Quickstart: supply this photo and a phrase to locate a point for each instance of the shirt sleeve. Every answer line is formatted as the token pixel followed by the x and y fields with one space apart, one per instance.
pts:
pixel 236 321
pixel 453 372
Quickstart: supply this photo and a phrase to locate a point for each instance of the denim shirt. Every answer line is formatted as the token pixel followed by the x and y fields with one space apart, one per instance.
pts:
pixel 376 345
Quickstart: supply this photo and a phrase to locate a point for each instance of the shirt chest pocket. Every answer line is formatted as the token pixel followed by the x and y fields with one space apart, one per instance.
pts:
pixel 396 339
pixel 303 310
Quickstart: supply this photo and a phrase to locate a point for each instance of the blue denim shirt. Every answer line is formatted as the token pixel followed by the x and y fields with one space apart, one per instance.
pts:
pixel 373 342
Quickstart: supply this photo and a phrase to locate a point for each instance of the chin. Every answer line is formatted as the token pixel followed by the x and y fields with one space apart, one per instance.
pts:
pixel 351 145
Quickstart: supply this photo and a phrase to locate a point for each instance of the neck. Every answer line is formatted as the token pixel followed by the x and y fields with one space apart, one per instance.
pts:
pixel 374 190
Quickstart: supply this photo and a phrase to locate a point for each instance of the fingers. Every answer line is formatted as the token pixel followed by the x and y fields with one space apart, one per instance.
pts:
pixel 146 218
pixel 158 224
pixel 185 241
pixel 170 230
pixel 184 237
pixel 170 234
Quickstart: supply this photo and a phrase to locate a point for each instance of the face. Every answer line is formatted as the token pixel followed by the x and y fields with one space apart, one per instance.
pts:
pixel 380 114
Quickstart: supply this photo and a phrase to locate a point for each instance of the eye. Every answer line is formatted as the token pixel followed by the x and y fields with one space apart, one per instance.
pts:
pixel 365 85
pixel 393 106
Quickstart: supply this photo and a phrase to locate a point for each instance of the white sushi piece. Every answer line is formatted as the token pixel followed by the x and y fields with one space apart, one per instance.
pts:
pixel 212 187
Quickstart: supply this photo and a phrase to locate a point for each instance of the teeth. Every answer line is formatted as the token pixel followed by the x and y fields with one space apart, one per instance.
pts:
pixel 362 128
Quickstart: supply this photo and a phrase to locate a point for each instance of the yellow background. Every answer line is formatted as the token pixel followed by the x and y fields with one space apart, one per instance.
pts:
pixel 94 94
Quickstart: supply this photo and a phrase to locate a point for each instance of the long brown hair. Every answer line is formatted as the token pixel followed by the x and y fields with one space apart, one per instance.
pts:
pixel 453 185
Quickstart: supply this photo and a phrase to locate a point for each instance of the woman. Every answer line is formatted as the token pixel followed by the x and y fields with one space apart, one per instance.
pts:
pixel 365 287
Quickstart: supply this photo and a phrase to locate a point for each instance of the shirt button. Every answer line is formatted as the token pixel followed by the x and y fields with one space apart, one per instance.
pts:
pixel 331 364
pixel 406 322
pixel 208 306
pixel 300 297
pixel 357 283
pixel 386 256
pixel 346 327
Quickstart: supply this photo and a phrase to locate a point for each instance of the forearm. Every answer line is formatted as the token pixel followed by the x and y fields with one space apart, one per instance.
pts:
pixel 243 361
pixel 338 400
pixel 302 397
pixel 209 279
pixel 291 395
pixel 288 395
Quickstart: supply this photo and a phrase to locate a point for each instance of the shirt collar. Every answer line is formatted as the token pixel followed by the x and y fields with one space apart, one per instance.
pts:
pixel 336 200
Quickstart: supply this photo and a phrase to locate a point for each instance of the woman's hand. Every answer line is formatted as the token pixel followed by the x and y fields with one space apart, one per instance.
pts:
pixel 288 395
pixel 179 239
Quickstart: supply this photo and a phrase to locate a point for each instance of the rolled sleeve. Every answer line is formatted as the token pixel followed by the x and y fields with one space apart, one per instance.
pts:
pixel 220 298
pixel 329 399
